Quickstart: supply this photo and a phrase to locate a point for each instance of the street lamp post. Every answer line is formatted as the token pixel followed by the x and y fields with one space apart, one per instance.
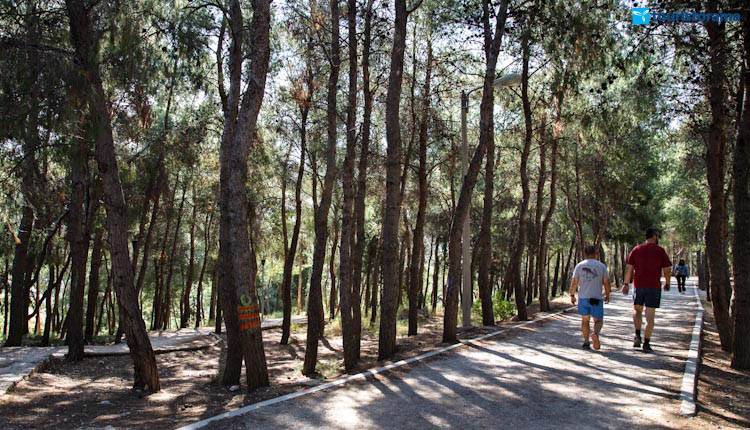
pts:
pixel 467 287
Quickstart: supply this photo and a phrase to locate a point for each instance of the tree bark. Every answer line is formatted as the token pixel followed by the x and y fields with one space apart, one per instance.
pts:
pixel 435 276
pixel 332 306
pixel 359 202
pixel 741 247
pixel 18 324
pixel 556 132
pixel 514 267
pixel 83 37
pixel 207 249
pixel 415 266
pixel 93 296
pixel 315 294
pixel 167 303
pixel 346 256
pixel 391 218
pixel 185 307
pixel 237 274
pixel 715 172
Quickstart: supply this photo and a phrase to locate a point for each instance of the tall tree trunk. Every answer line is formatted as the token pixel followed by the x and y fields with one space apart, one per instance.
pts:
pixel 93 296
pixel 435 276
pixel 359 202
pixel 6 296
pixel 48 305
pixel 535 241
pixel 391 218
pixel 741 246
pixel 299 283
pixel 492 45
pixel 207 249
pixel 315 294
pixel 418 242
pixel 167 304
pixel 556 132
pixel 185 314
pixel 715 172
pixel 146 375
pixel 557 273
pixel 513 274
pixel 159 263
pixel 346 287
pixel 286 284
pixel 332 306
pixel 485 239
pixel 376 282
pixel 237 277
pixel 18 324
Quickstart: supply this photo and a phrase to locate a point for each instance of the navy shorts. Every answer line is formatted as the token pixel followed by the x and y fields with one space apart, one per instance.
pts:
pixel 649 297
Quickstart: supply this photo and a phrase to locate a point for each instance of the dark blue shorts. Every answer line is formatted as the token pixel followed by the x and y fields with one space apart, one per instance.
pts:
pixel 586 308
pixel 649 297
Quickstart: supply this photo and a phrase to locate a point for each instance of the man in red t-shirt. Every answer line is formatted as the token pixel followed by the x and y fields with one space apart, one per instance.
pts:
pixel 649 261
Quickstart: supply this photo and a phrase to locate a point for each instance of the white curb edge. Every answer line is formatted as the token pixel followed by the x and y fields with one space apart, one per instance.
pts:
pixel 690 377
pixel 359 376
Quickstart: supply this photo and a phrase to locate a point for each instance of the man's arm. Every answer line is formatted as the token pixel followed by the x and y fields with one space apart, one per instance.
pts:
pixel 607 290
pixel 667 276
pixel 628 278
pixel 573 289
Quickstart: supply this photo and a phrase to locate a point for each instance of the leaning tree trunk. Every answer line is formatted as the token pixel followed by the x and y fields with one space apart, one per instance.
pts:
pixel 715 172
pixel 286 283
pixel 315 294
pixel 486 136
pixel 237 275
pixel 83 36
pixel 741 246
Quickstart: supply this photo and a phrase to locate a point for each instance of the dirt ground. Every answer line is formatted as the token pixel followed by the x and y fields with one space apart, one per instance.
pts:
pixel 96 393
pixel 723 393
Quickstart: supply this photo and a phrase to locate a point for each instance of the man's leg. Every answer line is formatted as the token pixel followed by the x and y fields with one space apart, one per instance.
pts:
pixel 650 312
pixel 585 328
pixel 598 323
pixel 637 322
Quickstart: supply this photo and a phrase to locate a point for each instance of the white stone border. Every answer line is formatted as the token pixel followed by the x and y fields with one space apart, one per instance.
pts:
pixel 690 377
pixel 360 376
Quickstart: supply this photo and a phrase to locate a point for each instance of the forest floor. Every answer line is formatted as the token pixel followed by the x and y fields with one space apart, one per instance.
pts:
pixel 96 393
pixel 723 393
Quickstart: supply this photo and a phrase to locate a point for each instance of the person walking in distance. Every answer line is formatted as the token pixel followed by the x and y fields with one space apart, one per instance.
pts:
pixel 645 263
pixel 681 272
pixel 588 278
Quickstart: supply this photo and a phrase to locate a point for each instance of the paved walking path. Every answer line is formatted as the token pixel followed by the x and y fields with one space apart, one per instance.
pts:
pixel 17 363
pixel 539 378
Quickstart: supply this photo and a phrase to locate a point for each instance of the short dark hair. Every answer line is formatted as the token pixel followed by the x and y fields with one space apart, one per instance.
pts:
pixel 652 232
pixel 589 250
